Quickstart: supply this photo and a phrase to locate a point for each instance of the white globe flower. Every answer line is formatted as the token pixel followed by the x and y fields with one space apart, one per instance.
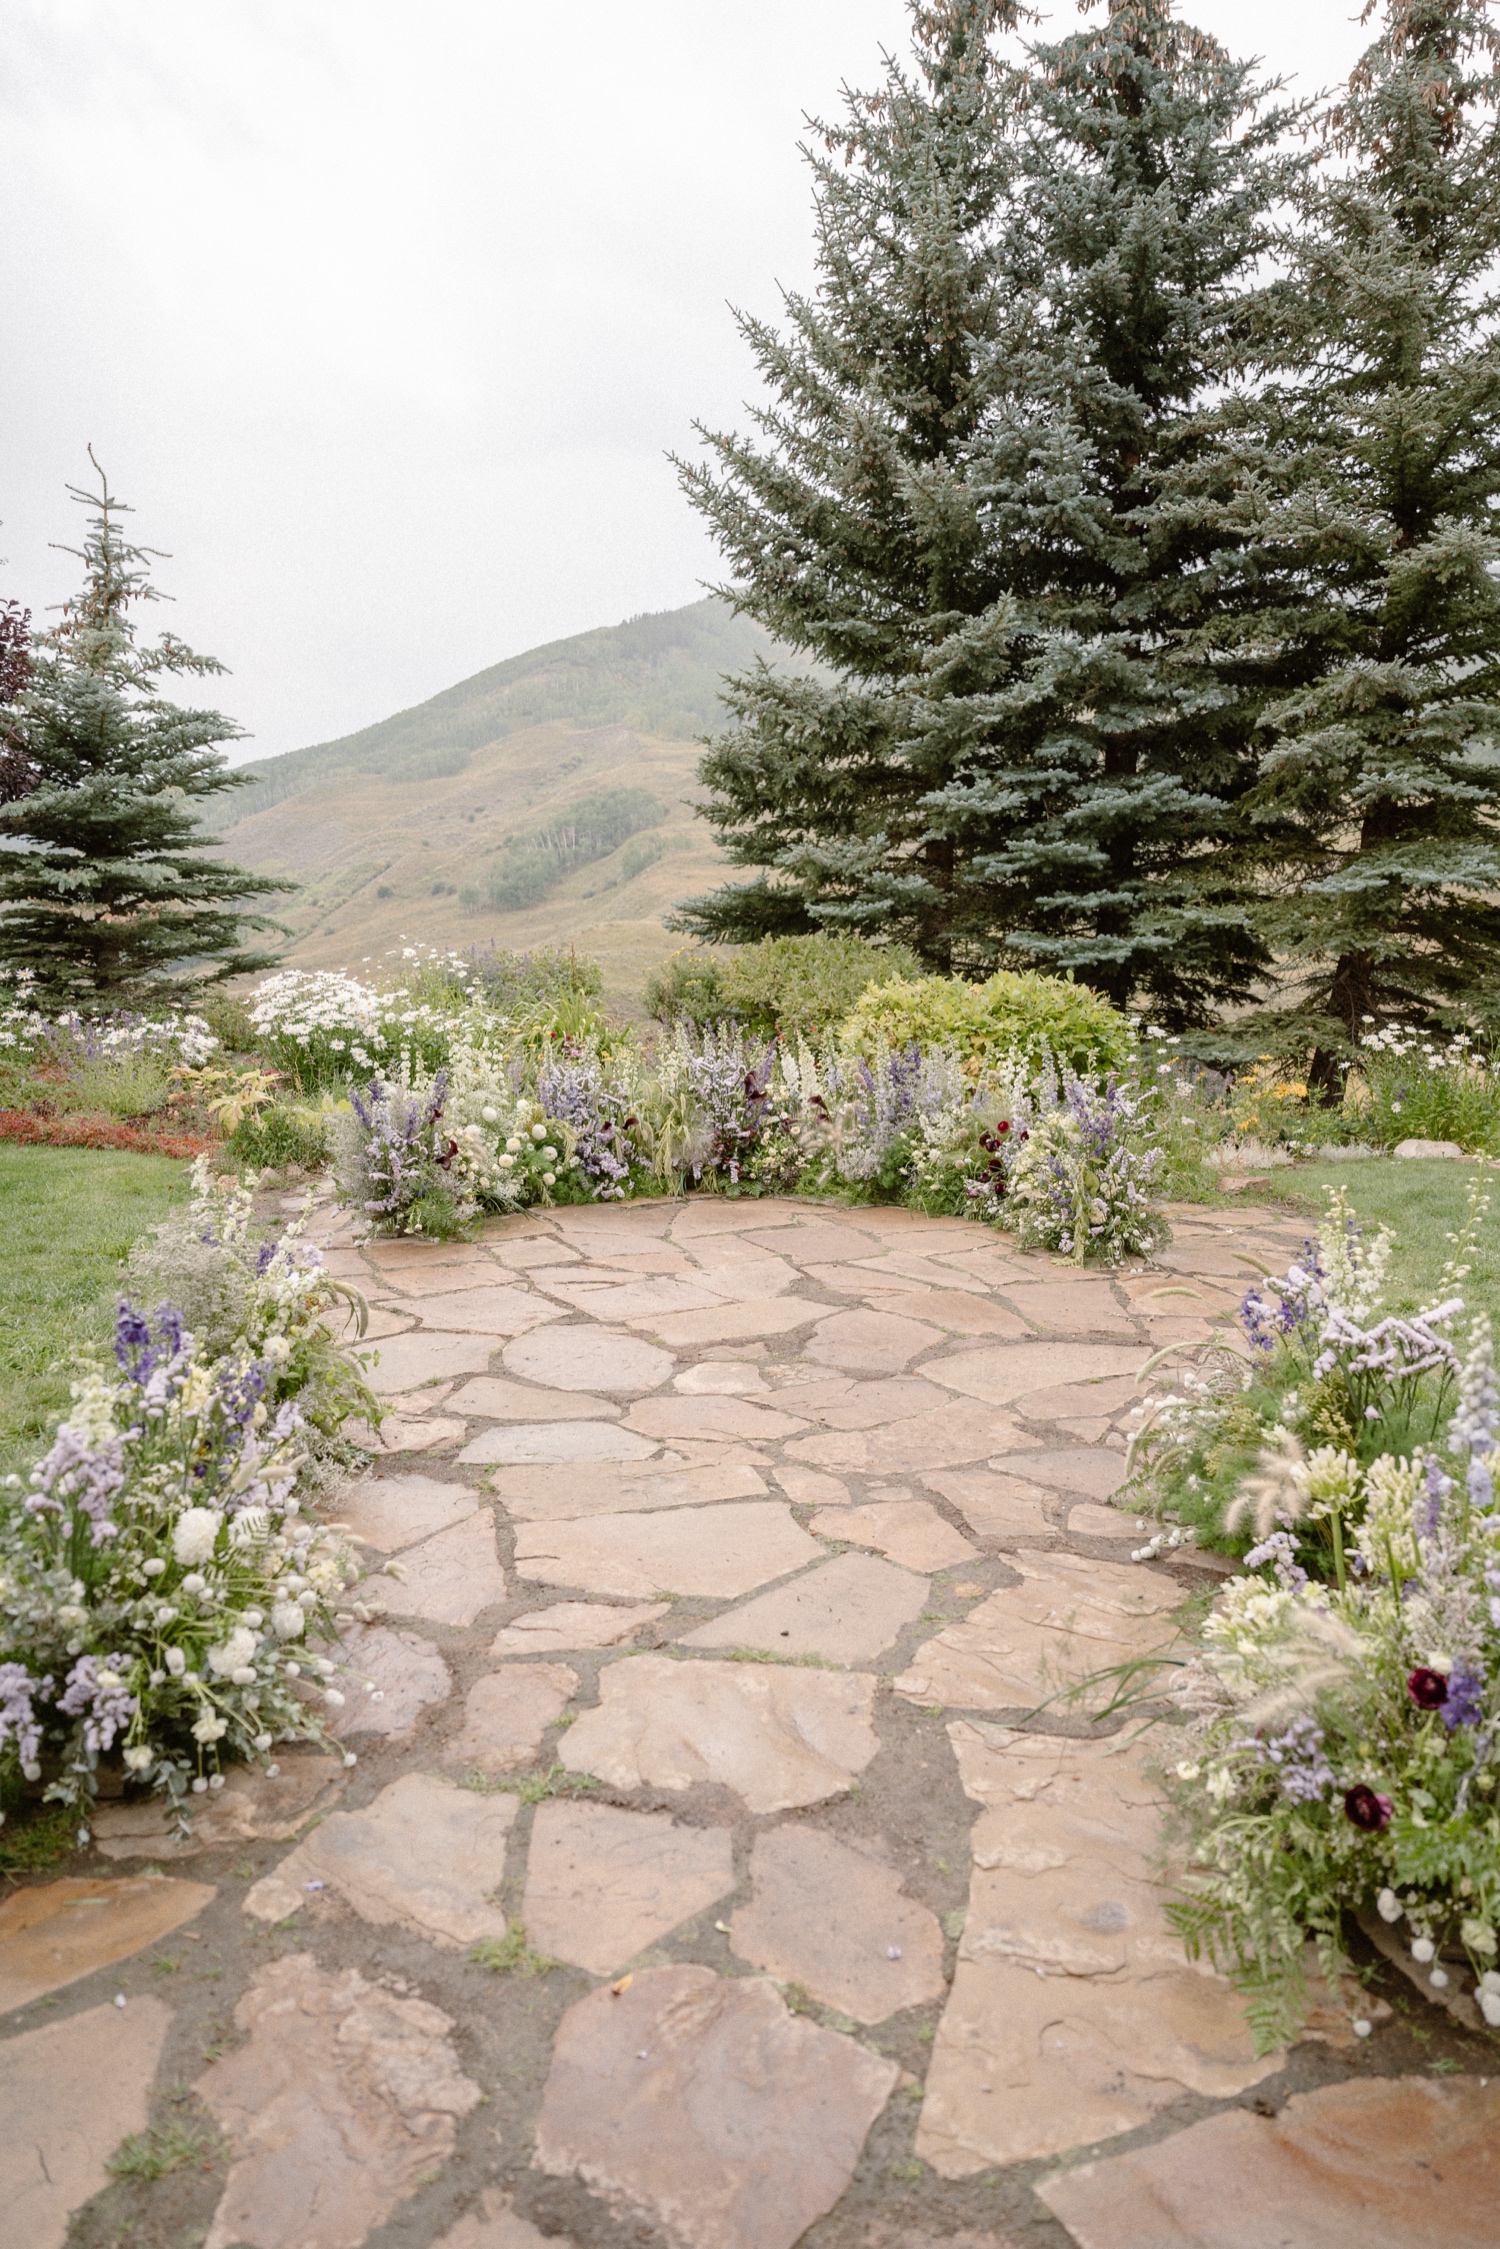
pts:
pixel 277 1349
pixel 549 1178
pixel 1489 2007
pixel 1388 1906
pixel 176 1662
pixel 1422 1950
pixel 233 1654
pixel 153 1568
pixel 194 1534
pixel 549 1155
pixel 139 1759
pixel 507 1163
pixel 287 1620
pixel 539 1133
pixel 490 1116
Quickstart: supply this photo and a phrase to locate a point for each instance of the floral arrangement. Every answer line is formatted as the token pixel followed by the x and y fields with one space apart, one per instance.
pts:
pixel 1326 1367
pixel 159 1582
pixel 1083 1168
pixel 1341 1755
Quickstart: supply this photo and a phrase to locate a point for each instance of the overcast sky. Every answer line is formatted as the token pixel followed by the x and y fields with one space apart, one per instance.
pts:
pixel 384 316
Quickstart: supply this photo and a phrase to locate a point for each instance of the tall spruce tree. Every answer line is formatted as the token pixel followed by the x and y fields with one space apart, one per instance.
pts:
pixel 1382 777
pixel 107 892
pixel 994 492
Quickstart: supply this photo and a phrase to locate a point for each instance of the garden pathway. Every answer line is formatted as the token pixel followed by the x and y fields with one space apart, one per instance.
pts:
pixel 732 1544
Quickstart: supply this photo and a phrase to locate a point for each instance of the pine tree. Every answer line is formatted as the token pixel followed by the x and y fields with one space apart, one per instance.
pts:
pixel 17 773
pixel 993 494
pixel 107 892
pixel 1383 775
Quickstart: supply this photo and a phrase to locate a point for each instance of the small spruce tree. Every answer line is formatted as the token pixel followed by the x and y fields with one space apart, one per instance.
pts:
pixel 108 892
pixel 1382 776
pixel 992 494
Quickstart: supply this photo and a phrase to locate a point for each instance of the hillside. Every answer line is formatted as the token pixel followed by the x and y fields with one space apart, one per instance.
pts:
pixel 404 830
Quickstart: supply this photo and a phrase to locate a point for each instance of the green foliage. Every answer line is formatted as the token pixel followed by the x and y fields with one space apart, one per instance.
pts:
pixel 36 1836
pixel 805 986
pixel 284 1136
pixel 166 2147
pixel 511 1955
pixel 1380 784
pixel 994 490
pixel 590 829
pixel 68 1217
pixel 228 1018
pixel 688 988
pixel 116 1085
pixel 1414 1088
pixel 1027 1015
pixel 106 892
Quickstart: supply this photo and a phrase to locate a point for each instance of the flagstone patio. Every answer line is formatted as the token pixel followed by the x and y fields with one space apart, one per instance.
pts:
pixel 709 1877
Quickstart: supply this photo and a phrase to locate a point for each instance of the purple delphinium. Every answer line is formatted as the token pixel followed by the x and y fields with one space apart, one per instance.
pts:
pixel 573 1091
pixel 106 1709
pixel 87 1475
pixel 140 1351
pixel 1464 1705
pixel 1302 1771
pixel 399 1150
pixel 19 1723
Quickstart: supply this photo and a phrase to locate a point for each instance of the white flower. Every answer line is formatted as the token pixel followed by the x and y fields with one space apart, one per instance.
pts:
pixel 549 1178
pixel 277 1349
pixel 233 1655
pixel 507 1163
pixel 154 1568
pixel 1489 2007
pixel 549 1155
pixel 539 1133
pixel 287 1620
pixel 194 1534
pixel 1388 1906
pixel 140 1759
pixel 513 1146
pixel 1422 1950
pixel 176 1662
pixel 209 1728
pixel 490 1116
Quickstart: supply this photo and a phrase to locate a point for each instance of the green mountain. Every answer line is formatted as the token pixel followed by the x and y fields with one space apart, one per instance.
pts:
pixel 657 674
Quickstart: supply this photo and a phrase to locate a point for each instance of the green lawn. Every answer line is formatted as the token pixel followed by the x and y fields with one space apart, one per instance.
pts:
pixel 1422 1203
pixel 67 1218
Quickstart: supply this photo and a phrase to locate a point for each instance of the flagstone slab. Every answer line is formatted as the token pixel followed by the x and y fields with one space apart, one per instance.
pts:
pixel 494 1309
pixel 907 1531
pixel 55 1932
pixel 392 1512
pixel 406 1362
pixel 834 1921
pixel 1004 1508
pixel 868 1405
pixel 449 1579
pixel 1062 1400
pixel 846 1612
pixel 602 1884
pixel 560 1494
pixel 402 1433
pixel 703 2105
pixel 870 1342
pixel 946 1438
pixel 393 1679
pixel 581 1441
pixel 713 1417
pixel 506 1714
pixel 721 1378
pixel 426 1854
pixel 957 1312
pixel 253 1806
pixel 809 1487
pixel 737 1322
pixel 1090 1469
pixel 69 2094
pixel 642 1301
pixel 588 1358
pixel 1400 2163
pixel 1090 1521
pixel 492 1398
pixel 1069 1617
pixel 1071 1305
pixel 779 1737
pixel 342 2100
pixel 1075 2014
pixel 1011 1372
pixel 816 1241
pixel 713 1550
pixel 741 1278
pixel 569 1625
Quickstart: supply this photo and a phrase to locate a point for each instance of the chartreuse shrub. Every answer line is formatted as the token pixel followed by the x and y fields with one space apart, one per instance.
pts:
pixel 804 987
pixel 1026 1015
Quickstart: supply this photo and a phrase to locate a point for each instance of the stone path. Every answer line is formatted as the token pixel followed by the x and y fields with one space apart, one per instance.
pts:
pixel 705 1880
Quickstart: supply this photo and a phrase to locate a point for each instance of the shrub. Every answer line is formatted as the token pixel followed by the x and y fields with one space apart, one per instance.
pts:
pixel 688 988
pixel 1084 1171
pixel 1027 1015
pixel 511 984
pixel 228 1019
pixel 804 987
pixel 284 1137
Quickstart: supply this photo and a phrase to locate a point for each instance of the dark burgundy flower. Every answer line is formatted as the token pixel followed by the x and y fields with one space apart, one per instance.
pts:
pixel 1428 1689
pixel 1366 1810
pixel 1002 1126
